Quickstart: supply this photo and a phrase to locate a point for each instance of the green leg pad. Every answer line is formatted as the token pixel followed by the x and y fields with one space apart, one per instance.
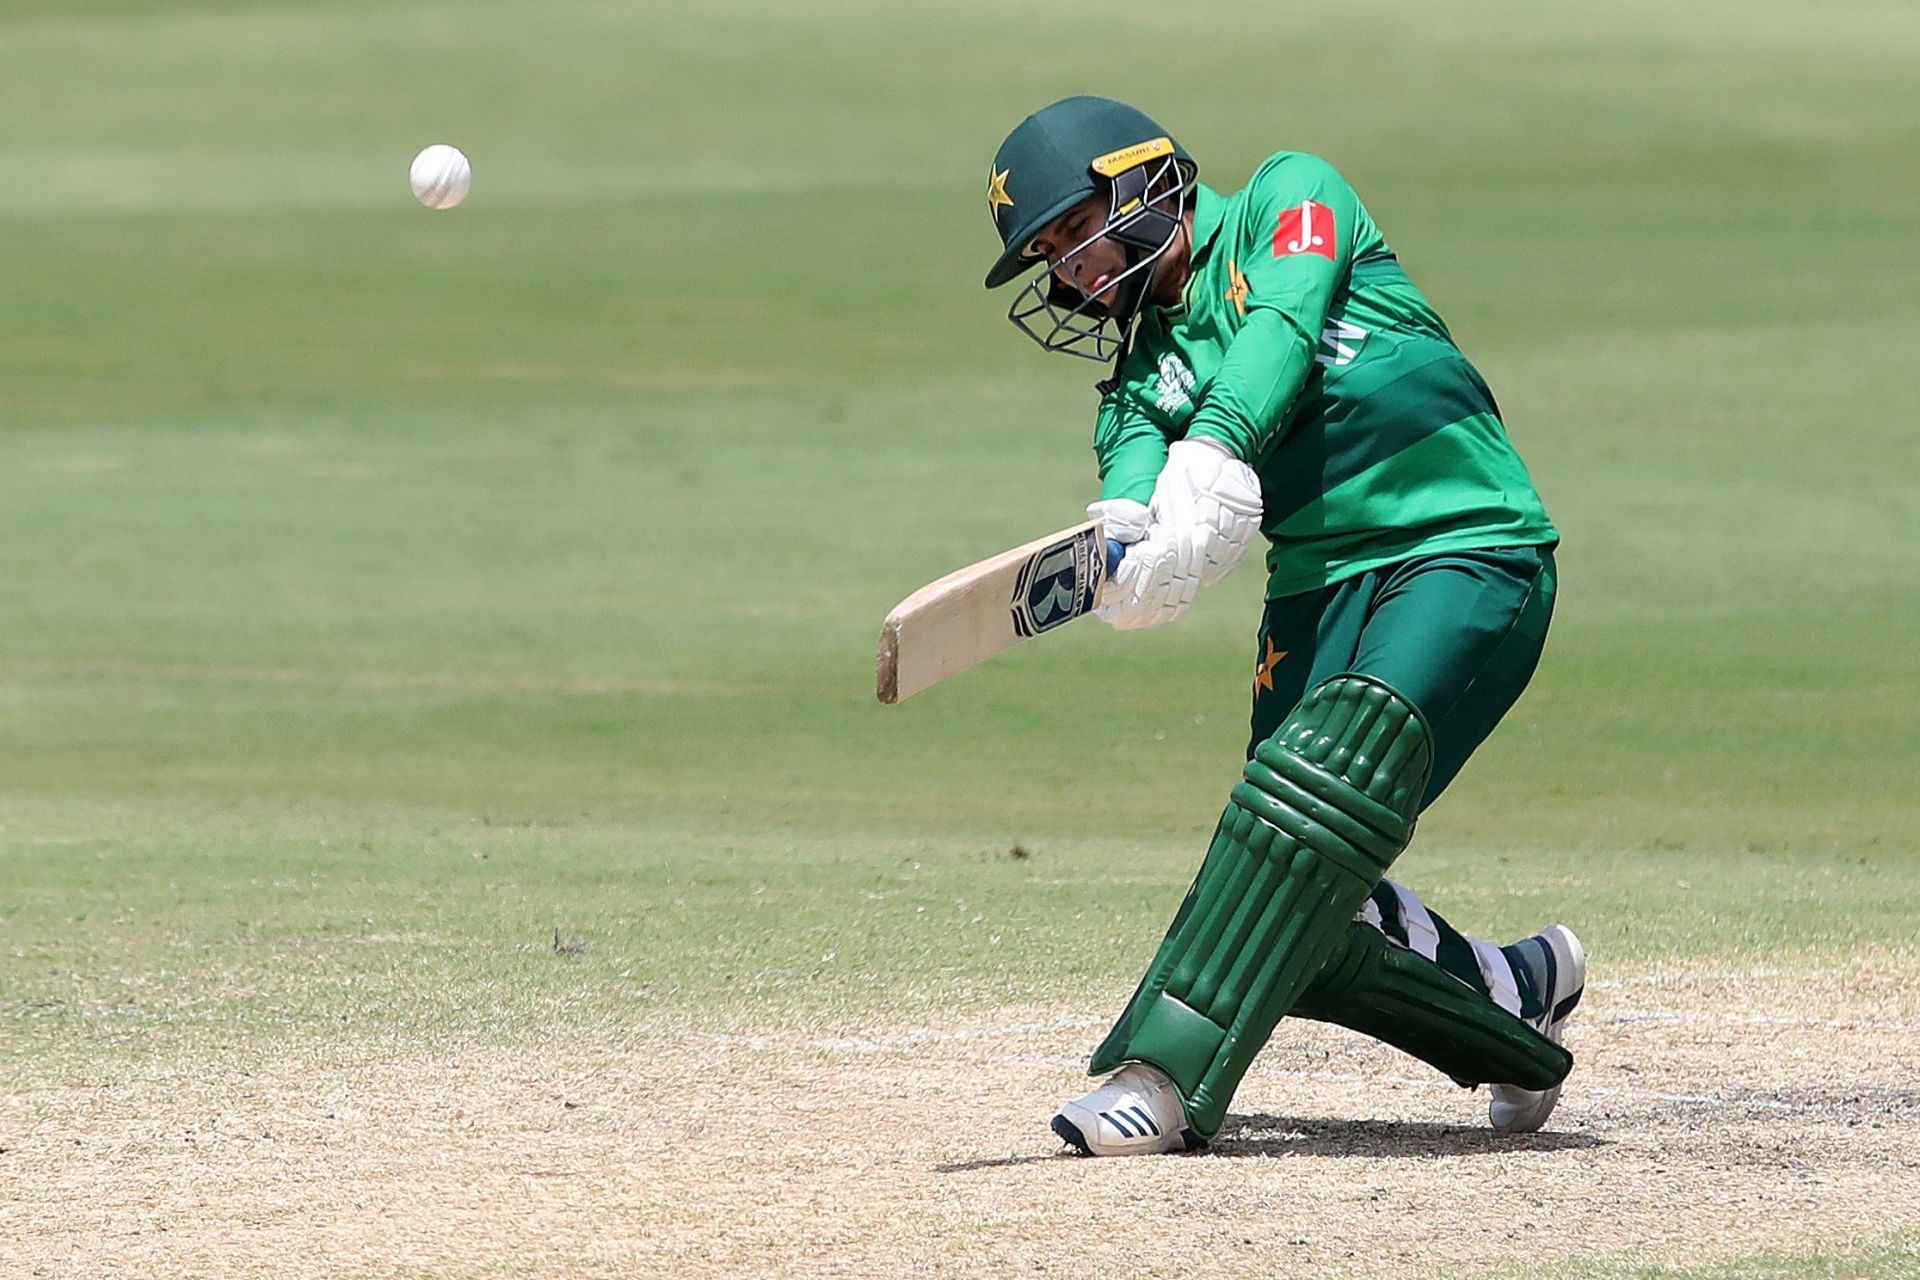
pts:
pixel 1323 809
pixel 1381 989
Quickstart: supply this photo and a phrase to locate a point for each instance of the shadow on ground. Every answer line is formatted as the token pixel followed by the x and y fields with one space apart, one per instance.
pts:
pixel 1268 1135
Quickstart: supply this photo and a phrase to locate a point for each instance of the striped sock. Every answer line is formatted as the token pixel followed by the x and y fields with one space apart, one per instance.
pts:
pixel 1532 973
pixel 1512 977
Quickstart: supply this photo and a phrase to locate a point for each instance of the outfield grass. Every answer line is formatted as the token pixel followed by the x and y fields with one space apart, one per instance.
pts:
pixel 389 593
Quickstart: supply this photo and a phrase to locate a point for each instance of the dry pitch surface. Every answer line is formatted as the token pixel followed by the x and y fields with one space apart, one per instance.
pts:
pixel 1712 1116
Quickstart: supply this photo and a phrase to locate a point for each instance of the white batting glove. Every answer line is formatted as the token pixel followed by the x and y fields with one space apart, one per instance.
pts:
pixel 1155 583
pixel 1204 515
pixel 1209 499
pixel 1125 520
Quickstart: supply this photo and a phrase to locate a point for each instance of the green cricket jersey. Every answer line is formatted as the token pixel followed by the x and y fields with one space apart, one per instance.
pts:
pixel 1303 347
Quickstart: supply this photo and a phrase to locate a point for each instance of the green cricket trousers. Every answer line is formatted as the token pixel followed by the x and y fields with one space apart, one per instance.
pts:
pixel 1458 634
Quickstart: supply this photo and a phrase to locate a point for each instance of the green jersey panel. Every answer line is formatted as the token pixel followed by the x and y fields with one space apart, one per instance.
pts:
pixel 1302 346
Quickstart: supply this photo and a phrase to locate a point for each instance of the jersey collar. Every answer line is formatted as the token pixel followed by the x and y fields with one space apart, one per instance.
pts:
pixel 1209 211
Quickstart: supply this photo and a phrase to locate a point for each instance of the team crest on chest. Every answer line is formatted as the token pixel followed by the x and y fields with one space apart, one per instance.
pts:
pixel 1173 386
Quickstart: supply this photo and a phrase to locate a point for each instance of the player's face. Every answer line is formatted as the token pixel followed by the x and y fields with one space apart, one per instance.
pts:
pixel 1082 266
pixel 1089 268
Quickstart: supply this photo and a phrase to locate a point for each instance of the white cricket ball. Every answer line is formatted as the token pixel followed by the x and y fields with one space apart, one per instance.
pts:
pixel 441 176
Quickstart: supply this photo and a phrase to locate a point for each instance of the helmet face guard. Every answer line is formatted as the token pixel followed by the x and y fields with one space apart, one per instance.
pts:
pixel 1147 206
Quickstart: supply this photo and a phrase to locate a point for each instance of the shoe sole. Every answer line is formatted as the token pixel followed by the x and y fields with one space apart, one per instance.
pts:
pixel 1069 1133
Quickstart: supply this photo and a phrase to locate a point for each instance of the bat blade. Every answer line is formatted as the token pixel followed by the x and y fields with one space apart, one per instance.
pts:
pixel 973 613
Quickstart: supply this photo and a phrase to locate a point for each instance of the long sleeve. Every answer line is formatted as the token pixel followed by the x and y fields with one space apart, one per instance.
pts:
pixel 1309 217
pixel 1130 449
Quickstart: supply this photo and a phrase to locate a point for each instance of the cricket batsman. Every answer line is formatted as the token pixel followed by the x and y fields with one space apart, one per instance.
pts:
pixel 1275 372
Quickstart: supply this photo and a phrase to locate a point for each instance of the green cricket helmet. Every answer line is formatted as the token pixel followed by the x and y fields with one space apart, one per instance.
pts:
pixel 1059 156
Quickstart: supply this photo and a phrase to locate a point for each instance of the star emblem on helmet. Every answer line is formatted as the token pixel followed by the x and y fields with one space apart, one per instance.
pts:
pixel 997 191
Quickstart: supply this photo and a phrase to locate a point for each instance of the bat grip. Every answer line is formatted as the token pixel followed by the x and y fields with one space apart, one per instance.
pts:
pixel 1116 552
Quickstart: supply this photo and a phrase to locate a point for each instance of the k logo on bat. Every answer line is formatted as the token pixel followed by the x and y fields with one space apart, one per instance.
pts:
pixel 1058 584
pixel 1307 227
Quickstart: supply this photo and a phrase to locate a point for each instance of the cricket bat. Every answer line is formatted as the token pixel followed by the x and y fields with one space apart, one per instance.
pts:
pixel 973 613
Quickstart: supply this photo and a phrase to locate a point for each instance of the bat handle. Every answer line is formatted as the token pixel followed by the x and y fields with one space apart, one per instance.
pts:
pixel 1116 552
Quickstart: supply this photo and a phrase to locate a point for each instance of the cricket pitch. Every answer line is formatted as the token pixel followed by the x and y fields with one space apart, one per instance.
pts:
pixel 1712 1116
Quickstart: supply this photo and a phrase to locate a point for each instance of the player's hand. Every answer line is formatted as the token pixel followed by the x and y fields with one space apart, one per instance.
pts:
pixel 1124 519
pixel 1204 514
pixel 1208 501
pixel 1155 583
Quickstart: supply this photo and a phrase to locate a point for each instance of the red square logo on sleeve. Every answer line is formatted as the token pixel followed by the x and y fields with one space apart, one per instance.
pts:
pixel 1305 228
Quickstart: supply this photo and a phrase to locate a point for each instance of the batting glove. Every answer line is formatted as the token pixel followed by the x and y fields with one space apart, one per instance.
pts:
pixel 1204 515
pixel 1155 583
pixel 1124 519
pixel 1209 500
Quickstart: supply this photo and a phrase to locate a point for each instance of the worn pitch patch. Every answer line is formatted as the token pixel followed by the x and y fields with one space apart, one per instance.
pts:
pixel 1710 1117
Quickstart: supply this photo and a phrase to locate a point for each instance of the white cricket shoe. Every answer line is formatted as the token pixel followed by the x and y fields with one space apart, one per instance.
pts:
pixel 1137 1112
pixel 1512 1109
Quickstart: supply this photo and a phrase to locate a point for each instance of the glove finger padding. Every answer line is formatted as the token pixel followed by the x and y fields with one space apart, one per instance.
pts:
pixel 1204 514
pixel 1122 519
pixel 1210 500
pixel 1233 518
pixel 1153 584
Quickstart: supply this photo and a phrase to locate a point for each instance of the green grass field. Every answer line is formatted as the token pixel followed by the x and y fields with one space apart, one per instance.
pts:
pixel 445 825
